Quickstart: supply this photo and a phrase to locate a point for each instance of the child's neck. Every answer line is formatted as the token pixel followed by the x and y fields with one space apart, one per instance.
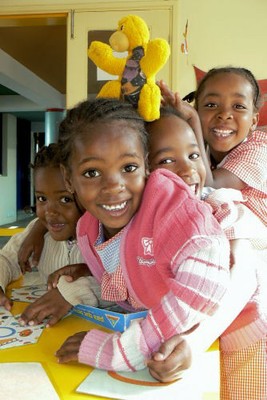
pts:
pixel 216 157
pixel 71 239
pixel 108 233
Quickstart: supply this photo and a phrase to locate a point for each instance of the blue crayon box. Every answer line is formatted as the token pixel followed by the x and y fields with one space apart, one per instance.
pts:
pixel 113 317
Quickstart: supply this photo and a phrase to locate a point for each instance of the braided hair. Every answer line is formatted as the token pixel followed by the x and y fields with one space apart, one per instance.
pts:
pixel 80 121
pixel 245 73
pixel 47 156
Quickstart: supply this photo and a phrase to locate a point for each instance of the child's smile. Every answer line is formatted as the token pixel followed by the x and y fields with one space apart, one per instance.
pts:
pixel 56 207
pixel 108 173
pixel 226 111
pixel 173 146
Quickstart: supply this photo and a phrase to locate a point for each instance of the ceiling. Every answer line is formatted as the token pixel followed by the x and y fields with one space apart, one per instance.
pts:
pixel 32 64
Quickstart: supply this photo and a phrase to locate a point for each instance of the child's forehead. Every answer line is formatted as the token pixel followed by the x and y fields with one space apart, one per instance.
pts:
pixel 102 132
pixel 47 170
pixel 170 123
pixel 48 175
pixel 227 78
pixel 106 127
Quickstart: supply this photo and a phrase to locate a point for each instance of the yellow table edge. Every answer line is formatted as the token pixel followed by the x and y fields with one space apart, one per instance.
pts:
pixel 10 231
pixel 64 377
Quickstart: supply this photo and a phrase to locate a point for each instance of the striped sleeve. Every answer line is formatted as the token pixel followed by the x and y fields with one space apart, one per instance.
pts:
pixel 195 293
pixel 9 266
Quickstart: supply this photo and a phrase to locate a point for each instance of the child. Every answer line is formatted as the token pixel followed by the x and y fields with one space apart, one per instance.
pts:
pixel 57 210
pixel 147 239
pixel 228 101
pixel 173 146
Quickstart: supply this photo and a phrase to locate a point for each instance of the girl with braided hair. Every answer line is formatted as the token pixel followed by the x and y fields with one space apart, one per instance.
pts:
pixel 227 103
pixel 241 325
pixel 58 212
pixel 147 239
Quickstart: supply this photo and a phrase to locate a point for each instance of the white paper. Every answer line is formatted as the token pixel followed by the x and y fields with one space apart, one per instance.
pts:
pixel 12 334
pixel 25 381
pixel 105 76
pixel 203 377
pixel 28 294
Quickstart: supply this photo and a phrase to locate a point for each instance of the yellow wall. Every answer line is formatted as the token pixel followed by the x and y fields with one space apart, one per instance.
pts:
pixel 222 33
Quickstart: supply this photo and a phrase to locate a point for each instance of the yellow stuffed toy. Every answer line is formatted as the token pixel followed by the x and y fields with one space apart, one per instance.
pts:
pixel 137 72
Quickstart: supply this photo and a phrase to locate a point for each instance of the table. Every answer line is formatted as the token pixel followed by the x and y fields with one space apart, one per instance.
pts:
pixel 5 234
pixel 65 377
pixel 10 231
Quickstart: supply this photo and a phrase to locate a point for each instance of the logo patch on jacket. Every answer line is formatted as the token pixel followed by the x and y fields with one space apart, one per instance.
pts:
pixel 148 246
pixel 148 250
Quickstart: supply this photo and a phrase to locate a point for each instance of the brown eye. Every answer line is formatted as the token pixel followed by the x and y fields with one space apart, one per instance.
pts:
pixel 66 200
pixel 194 156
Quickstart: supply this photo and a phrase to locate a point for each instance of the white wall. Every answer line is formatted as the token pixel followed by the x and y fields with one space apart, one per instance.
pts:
pixel 8 192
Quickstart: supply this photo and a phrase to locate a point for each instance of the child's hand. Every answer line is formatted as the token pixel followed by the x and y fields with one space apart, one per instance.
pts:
pixel 51 305
pixel 32 246
pixel 71 273
pixel 70 348
pixel 168 97
pixel 27 250
pixel 172 358
pixel 174 100
pixel 5 301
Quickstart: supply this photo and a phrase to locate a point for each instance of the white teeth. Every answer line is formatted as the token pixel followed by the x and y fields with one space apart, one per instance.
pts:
pixel 115 208
pixel 222 132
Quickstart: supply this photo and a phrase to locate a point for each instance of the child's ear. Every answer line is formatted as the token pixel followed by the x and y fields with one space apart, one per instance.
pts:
pixel 66 177
pixel 255 121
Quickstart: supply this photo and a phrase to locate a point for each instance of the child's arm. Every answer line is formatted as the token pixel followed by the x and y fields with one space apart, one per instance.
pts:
pixel 5 301
pixel 68 286
pixel 51 306
pixel 222 178
pixel 76 290
pixel 56 303
pixel 9 266
pixel 171 358
pixel 115 350
pixel 70 348
pixel 32 246
pixel 70 272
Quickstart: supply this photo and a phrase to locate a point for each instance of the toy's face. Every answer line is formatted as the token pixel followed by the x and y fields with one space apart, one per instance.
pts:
pixel 119 41
pixel 131 29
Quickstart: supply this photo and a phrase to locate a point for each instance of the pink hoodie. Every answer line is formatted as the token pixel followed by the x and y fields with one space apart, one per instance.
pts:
pixel 175 261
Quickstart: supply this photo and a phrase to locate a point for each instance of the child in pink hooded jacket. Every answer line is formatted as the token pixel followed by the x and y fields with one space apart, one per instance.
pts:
pixel 147 239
